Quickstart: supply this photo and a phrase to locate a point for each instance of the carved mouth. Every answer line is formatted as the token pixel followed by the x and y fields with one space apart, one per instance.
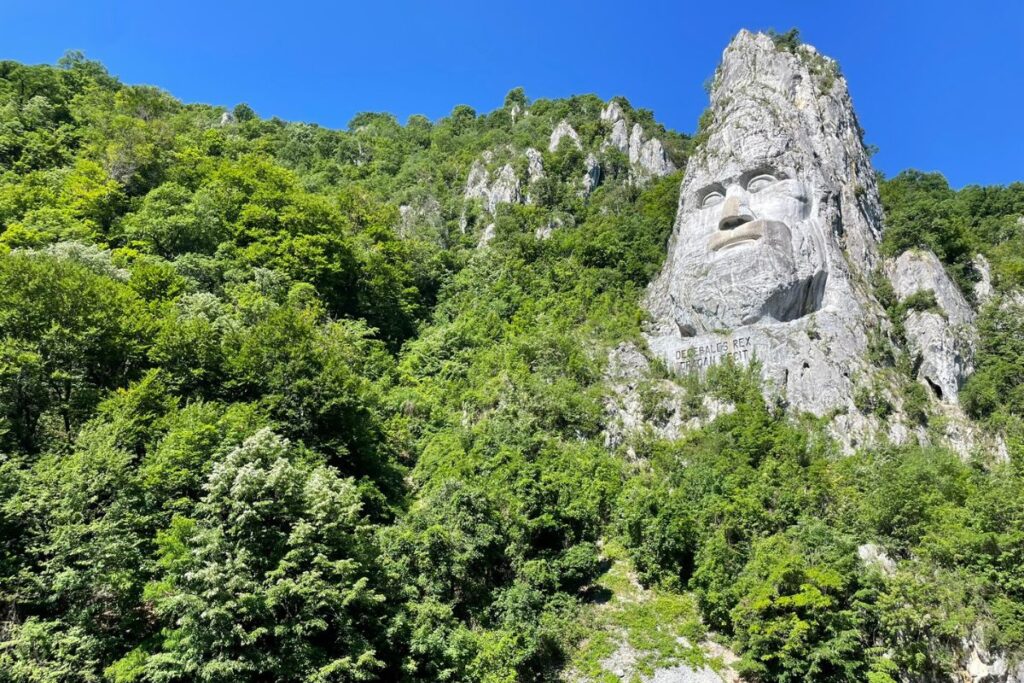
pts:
pixel 748 233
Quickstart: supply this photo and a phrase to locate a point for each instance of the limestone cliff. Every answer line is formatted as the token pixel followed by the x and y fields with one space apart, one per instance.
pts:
pixel 774 257
pixel 776 233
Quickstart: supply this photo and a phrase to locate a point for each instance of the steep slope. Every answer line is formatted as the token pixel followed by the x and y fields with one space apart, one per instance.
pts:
pixel 775 259
pixel 385 403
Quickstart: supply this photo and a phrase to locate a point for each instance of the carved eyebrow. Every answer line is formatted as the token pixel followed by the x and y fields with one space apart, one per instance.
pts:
pixel 705 191
pixel 763 169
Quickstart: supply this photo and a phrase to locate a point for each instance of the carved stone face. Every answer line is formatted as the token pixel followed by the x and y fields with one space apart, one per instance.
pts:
pixel 750 250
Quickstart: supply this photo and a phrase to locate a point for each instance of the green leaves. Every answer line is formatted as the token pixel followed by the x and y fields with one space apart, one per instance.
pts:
pixel 272 576
pixel 268 413
pixel 71 334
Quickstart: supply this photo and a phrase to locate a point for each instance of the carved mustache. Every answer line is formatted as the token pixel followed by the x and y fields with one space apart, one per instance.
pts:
pixel 751 231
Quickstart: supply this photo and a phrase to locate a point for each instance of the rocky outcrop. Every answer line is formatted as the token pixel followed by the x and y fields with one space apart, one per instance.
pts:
pixel 563 130
pixel 534 165
pixel 940 335
pixel 639 401
pixel 980 665
pixel 478 184
pixel 502 189
pixel 613 112
pixel 983 290
pixel 648 156
pixel 592 178
pixel 619 136
pixel 494 187
pixel 653 159
pixel 487 235
pixel 775 234
pixel 873 556
pixel 419 214
pixel 636 142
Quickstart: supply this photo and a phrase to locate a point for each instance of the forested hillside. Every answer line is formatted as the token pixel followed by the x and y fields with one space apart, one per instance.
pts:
pixel 272 409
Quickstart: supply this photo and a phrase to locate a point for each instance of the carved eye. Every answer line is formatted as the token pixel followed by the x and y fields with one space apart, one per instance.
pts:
pixel 711 198
pixel 760 182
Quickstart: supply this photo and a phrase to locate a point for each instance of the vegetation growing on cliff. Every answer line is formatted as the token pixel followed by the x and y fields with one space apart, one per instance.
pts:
pixel 266 413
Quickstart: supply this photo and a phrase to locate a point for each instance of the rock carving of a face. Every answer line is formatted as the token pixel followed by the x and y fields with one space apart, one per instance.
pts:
pixel 751 250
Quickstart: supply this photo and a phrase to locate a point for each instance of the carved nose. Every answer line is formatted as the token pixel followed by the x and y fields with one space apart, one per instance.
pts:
pixel 734 214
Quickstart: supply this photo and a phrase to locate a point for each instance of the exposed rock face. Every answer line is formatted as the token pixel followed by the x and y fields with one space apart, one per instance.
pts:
pixel 653 159
pixel 478 182
pixel 983 290
pixel 613 112
pixel 486 236
pixel 619 137
pixel 675 412
pixel 648 156
pixel 943 339
pixel 504 189
pixel 919 270
pixel 636 141
pixel 425 212
pixel 502 186
pixel 563 130
pixel 776 232
pixel 979 665
pixel 592 178
pixel 873 555
pixel 534 164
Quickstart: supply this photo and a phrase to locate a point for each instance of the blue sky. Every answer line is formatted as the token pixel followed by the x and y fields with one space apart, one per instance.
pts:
pixel 937 85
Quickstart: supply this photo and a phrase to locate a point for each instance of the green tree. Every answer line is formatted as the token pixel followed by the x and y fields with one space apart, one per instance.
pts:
pixel 273 578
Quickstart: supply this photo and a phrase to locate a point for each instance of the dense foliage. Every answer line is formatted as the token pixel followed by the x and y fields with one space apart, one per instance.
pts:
pixel 922 211
pixel 268 413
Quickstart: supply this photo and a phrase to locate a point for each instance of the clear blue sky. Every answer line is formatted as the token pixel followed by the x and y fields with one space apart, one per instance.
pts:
pixel 938 85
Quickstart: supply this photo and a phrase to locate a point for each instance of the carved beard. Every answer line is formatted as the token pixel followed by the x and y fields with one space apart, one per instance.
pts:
pixel 779 276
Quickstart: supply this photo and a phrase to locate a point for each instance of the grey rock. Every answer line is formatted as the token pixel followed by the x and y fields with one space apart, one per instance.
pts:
pixel 613 112
pixel 503 189
pixel 646 155
pixel 625 663
pixel 945 354
pixel 980 665
pixel 563 130
pixel 983 290
pixel 227 118
pixel 775 234
pixel 944 339
pixel 478 182
pixel 653 159
pixel 545 231
pixel 628 369
pixel 592 178
pixel 918 270
pixel 534 165
pixel 619 137
pixel 636 141
pixel 417 215
pixel 486 236
pixel 874 556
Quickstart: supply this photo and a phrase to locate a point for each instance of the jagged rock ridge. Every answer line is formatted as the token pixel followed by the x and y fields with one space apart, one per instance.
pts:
pixel 494 183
